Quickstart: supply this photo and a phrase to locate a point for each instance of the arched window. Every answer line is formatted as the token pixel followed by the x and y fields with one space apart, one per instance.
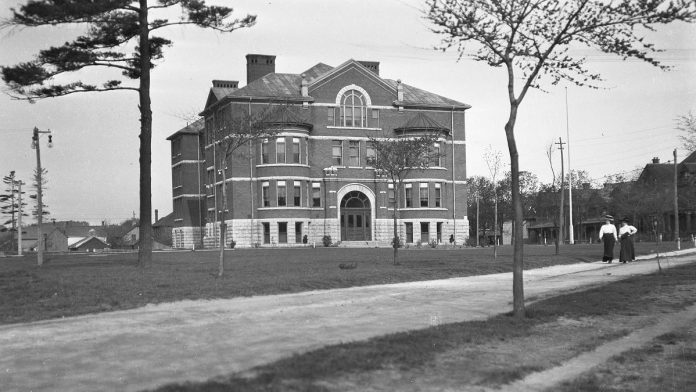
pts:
pixel 353 109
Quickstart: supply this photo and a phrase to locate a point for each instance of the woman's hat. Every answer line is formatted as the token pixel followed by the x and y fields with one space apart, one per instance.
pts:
pixel 608 217
pixel 626 219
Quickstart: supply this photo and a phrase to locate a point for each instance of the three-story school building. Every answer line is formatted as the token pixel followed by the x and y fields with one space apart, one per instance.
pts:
pixel 315 177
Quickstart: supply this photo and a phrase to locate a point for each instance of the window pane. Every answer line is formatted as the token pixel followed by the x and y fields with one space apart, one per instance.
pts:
pixel 295 150
pixel 369 154
pixel 424 195
pixel 437 195
pixel 282 232
pixel 316 195
pixel 409 196
pixel 354 153
pixel 331 120
pixel 264 152
pixel 281 194
pixel 280 151
pixel 337 152
pixel 265 196
pixel 297 195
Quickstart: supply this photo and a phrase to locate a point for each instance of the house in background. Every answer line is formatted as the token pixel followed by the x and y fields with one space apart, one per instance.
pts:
pixel 161 233
pixel 315 178
pixel 89 244
pixel 55 239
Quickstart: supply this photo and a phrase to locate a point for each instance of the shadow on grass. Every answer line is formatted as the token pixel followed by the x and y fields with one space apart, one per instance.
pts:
pixel 412 350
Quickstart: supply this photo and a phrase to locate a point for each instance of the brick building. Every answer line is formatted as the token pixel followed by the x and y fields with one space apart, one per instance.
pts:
pixel 315 177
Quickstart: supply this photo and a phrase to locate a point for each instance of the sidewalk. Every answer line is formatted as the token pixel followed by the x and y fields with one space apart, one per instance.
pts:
pixel 195 340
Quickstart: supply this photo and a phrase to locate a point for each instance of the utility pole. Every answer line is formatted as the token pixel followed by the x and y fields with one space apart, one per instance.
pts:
pixel 39 203
pixel 676 203
pixel 561 222
pixel 19 218
pixel 571 233
pixel 477 219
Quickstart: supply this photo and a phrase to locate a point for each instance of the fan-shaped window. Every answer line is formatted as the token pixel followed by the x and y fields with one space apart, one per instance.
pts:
pixel 353 110
pixel 355 199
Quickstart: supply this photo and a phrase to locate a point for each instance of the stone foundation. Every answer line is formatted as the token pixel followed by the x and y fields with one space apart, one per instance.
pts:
pixel 250 232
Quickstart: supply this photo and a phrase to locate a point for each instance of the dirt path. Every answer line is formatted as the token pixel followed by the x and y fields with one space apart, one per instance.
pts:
pixel 195 340
pixel 541 381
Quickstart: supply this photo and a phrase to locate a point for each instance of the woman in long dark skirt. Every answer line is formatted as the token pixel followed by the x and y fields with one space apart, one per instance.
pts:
pixel 607 234
pixel 626 233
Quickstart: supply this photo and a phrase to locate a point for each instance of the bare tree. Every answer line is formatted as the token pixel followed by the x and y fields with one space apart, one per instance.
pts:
pixel 395 159
pixel 531 39
pixel 687 124
pixel 242 129
pixel 492 158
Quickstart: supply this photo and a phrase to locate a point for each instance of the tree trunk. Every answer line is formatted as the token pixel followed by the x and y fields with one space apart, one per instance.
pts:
pixel 223 225
pixel 145 230
pixel 395 239
pixel 518 250
pixel 495 228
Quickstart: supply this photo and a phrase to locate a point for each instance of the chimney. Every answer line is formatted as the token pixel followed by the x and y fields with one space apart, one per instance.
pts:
pixel 226 83
pixel 259 65
pixel 656 160
pixel 156 214
pixel 371 65
pixel 399 91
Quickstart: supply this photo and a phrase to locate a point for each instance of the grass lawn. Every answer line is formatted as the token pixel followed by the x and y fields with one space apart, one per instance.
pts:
pixel 68 285
pixel 471 355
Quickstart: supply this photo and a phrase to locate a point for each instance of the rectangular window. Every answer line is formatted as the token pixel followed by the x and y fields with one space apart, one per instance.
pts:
pixel 316 194
pixel 297 194
pixel 408 192
pixel 265 197
pixel 295 150
pixel 280 150
pixel 409 232
pixel 298 232
pixel 264 151
pixel 370 154
pixel 337 152
pixel 391 197
pixel 424 194
pixel 425 232
pixel 331 120
pixel 435 161
pixel 439 232
pixel 280 187
pixel 438 195
pixel 375 118
pixel 282 232
pixel 353 153
pixel 266 233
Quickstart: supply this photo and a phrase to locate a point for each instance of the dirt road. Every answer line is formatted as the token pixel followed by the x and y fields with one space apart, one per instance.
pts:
pixel 195 340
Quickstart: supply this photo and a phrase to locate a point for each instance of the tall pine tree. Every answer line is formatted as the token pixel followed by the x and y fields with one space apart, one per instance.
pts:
pixel 118 36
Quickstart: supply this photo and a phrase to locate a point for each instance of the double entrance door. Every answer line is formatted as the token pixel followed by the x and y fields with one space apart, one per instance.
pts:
pixel 355 225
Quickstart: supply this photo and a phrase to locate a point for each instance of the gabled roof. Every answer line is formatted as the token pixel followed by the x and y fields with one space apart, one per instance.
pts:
pixel 344 67
pixel 87 240
pixel 659 172
pixel 288 87
pixel 690 159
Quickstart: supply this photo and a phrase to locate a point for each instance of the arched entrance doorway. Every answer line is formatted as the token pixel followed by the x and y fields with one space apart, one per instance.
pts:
pixel 356 217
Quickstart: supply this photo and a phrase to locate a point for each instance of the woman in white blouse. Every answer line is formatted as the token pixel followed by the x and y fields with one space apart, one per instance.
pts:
pixel 626 233
pixel 607 234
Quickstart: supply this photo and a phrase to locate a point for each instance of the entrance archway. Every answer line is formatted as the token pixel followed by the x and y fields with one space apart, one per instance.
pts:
pixel 356 217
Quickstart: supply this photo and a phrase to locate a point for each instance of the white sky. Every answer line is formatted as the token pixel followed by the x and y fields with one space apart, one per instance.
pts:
pixel 93 168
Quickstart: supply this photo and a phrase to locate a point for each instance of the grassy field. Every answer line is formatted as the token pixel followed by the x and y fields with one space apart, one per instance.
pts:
pixel 68 285
pixel 490 353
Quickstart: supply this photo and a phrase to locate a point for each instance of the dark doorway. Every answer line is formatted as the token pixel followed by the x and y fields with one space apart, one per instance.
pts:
pixel 356 217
